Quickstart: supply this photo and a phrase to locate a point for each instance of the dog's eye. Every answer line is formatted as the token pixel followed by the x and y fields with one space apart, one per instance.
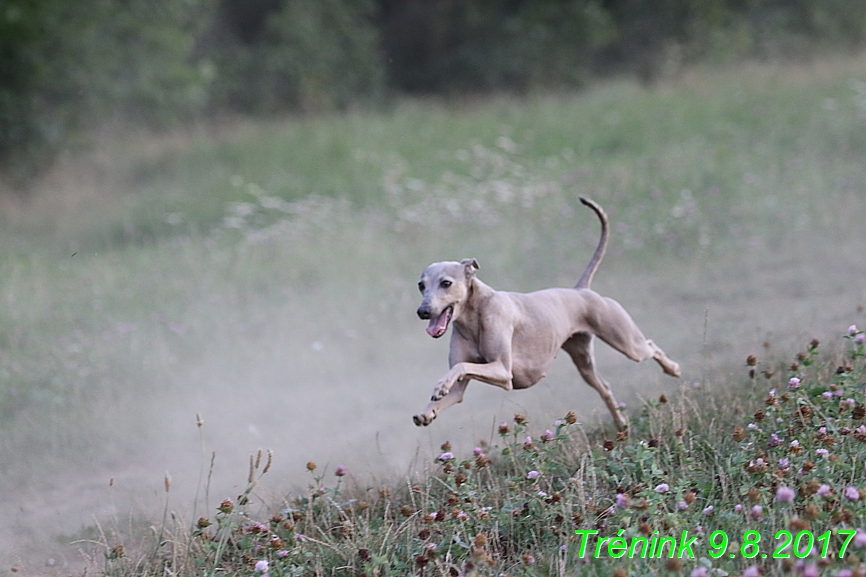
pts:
pixel 445 283
pixel 421 286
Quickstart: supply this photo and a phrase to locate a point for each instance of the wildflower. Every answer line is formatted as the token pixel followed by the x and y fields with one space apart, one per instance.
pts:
pixel 532 475
pixel 848 403
pixel 752 571
pixel 682 505
pixel 845 573
pixel 446 456
pixel 340 471
pixel 785 494
pixel 824 490
pixel 609 511
pixel 299 537
pixel 738 508
pixel 708 509
pixel 784 463
pixel 794 383
pixel 757 513
pixel 462 516
pixel 822 452
pixel 282 553
pixel 774 441
pixel 860 538
pixel 827 395
pixel 811 570
pixel 852 494
pixel 546 436
pixel 262 566
pixel 861 338
pixel 662 488
pixel 542 494
pixel 852 330
pixel 700 571
pixel 621 500
pixel 478 451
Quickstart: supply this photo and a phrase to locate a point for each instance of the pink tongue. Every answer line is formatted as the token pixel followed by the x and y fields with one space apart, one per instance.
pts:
pixel 438 325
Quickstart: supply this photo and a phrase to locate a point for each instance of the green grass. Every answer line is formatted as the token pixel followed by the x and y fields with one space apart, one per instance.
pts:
pixel 263 275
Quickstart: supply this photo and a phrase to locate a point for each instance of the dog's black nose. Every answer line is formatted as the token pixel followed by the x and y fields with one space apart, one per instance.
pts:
pixel 423 313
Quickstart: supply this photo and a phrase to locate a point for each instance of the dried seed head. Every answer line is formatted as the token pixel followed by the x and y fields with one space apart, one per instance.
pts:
pixel 446 446
pixel 769 373
pixel 570 418
pixel 406 511
pixel 754 495
pixel 481 461
pixel 226 506
pixel 645 528
pixel 690 497
pixel 620 572
pixel 653 443
pixel 607 445
pixel 453 499
pixel 798 524
pixel 751 360
pixel 424 534
pixel 503 428
pixel 385 492
pixel 519 419
pixel 811 511
pixel 362 506
pixel 808 466
pixel 739 433
pixel 663 399
pixel 814 344
pixel 258 458
pixel 460 478
pixel 802 356
pixel 203 523
pixel 673 564
pixel 311 466
pixel 269 462
pixel 759 415
pixel 480 540
pixel 167 482
pixel 364 554
pixel 859 412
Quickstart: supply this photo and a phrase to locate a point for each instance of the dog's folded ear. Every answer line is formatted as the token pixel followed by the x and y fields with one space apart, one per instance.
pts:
pixel 470 265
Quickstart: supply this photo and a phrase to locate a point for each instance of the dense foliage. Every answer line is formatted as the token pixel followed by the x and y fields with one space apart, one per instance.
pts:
pixel 64 65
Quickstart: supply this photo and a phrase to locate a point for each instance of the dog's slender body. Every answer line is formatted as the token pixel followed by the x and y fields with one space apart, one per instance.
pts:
pixel 509 339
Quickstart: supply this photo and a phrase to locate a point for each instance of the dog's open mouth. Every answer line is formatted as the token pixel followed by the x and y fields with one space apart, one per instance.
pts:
pixel 438 325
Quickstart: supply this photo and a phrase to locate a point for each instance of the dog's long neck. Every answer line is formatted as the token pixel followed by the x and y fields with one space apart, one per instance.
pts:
pixel 468 323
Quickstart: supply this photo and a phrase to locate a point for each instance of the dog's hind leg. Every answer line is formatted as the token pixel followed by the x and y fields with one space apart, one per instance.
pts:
pixel 615 327
pixel 579 348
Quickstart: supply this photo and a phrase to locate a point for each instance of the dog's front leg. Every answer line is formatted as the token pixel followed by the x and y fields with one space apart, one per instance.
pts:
pixel 435 407
pixel 495 373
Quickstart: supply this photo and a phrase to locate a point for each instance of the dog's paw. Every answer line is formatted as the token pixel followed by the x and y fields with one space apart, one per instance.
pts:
pixel 440 392
pixel 423 419
pixel 673 370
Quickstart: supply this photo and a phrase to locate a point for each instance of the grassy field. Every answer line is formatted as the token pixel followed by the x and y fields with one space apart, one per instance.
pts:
pixel 263 276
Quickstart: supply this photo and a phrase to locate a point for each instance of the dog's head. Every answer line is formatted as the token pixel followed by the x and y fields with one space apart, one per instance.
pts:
pixel 444 288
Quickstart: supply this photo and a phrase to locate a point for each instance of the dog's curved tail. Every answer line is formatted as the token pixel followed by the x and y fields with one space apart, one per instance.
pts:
pixel 586 277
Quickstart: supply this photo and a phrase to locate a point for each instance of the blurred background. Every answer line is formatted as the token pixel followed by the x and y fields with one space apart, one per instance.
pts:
pixel 220 208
